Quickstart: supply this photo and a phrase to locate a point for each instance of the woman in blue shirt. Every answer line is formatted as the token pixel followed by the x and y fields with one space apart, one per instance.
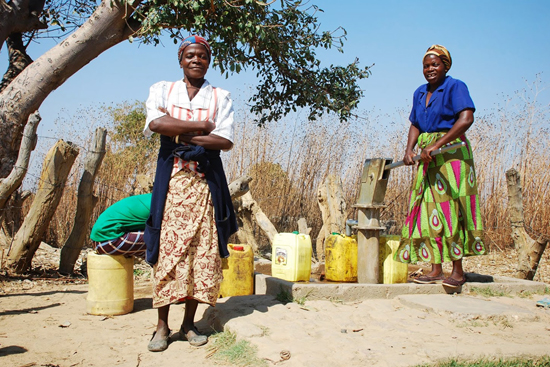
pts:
pixel 444 220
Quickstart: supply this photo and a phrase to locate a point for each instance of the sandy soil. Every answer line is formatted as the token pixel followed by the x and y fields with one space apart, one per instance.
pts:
pixel 44 323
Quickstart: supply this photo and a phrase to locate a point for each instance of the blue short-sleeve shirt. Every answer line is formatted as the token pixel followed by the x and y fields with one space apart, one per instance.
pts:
pixel 451 98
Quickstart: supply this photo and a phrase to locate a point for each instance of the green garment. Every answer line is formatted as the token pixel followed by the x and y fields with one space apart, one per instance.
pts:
pixel 126 215
pixel 444 221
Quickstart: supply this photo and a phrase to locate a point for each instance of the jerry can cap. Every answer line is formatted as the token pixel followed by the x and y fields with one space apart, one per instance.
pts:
pixel 238 248
pixel 296 232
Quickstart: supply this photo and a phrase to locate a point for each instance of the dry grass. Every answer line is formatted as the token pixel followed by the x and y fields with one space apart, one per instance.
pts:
pixel 289 159
pixel 128 155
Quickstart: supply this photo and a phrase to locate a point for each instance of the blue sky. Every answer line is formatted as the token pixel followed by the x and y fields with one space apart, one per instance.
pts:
pixel 495 45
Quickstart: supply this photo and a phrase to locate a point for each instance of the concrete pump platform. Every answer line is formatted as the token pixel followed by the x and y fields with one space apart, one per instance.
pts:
pixel 349 292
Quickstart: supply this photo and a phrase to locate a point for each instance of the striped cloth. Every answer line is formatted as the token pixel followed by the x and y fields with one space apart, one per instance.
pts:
pixel 131 244
pixel 199 114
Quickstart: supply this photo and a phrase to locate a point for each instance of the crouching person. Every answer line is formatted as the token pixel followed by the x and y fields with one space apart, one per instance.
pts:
pixel 119 229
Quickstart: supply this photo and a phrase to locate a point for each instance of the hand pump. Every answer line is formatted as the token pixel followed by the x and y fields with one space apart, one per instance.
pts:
pixel 374 182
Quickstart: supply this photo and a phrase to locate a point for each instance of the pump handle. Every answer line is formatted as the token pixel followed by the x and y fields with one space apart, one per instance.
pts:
pixel 435 152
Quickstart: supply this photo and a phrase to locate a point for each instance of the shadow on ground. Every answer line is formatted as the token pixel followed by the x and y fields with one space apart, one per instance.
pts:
pixel 12 349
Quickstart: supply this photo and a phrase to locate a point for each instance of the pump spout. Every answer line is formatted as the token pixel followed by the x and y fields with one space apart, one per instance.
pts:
pixel 349 224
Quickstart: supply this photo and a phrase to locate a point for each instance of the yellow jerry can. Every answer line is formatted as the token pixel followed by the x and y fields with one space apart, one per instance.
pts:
pixel 341 258
pixel 110 284
pixel 238 272
pixel 291 257
pixel 391 271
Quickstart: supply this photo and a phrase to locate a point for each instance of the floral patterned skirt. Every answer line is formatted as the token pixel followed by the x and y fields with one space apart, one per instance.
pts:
pixel 444 219
pixel 189 264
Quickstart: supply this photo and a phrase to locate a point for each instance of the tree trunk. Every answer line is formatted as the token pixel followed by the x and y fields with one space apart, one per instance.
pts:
pixel 249 211
pixel 143 185
pixel 245 234
pixel 19 16
pixel 12 217
pixel 85 204
pixel 529 251
pixel 19 59
pixel 107 27
pixel 239 187
pixel 302 226
pixel 333 211
pixel 320 243
pixel 263 221
pixel 13 181
pixel 57 165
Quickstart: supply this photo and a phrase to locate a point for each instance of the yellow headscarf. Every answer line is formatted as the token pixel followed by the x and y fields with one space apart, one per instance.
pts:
pixel 442 53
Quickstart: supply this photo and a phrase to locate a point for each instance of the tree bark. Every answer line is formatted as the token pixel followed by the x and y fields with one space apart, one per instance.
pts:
pixel 85 204
pixel 19 59
pixel 13 181
pixel 57 165
pixel 19 16
pixel 320 243
pixel 529 251
pixel 143 185
pixel 108 26
pixel 239 187
pixel 249 211
pixel 263 221
pixel 12 217
pixel 302 226
pixel 333 211
pixel 245 234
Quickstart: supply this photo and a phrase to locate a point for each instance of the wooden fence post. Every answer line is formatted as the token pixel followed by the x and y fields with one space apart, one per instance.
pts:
pixel 9 184
pixel 529 251
pixel 57 165
pixel 333 211
pixel 86 202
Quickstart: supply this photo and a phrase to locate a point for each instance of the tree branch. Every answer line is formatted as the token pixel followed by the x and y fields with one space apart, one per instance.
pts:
pixel 19 59
pixel 20 16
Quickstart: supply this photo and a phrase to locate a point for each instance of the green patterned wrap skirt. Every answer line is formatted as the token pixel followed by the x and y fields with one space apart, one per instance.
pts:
pixel 444 219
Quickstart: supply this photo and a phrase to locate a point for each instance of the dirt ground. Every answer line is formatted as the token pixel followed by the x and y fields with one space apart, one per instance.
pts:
pixel 44 323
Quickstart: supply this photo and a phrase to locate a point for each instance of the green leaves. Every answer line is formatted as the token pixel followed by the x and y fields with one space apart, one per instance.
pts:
pixel 278 41
pixel 127 131
pixel 64 15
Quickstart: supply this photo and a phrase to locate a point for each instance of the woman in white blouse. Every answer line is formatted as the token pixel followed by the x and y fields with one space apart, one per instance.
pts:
pixel 191 212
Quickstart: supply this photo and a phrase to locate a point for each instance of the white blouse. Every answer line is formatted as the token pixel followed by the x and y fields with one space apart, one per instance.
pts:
pixel 210 103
